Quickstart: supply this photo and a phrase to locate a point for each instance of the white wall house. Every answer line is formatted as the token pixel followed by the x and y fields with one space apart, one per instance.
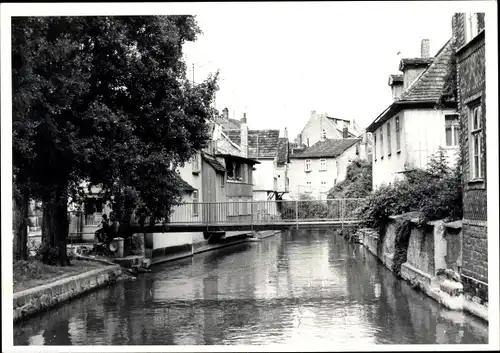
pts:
pixel 315 170
pixel 323 126
pixel 412 128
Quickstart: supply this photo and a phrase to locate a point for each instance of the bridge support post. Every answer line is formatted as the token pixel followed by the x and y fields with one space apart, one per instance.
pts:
pixel 296 214
pixel 342 212
pixel 251 216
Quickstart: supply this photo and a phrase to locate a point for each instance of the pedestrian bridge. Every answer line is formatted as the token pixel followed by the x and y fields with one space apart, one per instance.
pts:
pixel 261 215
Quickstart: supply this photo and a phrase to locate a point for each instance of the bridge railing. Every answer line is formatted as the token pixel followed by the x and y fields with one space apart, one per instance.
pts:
pixel 269 211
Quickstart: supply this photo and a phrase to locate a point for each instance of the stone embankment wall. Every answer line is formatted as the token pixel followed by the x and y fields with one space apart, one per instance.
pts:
pixel 433 261
pixel 34 300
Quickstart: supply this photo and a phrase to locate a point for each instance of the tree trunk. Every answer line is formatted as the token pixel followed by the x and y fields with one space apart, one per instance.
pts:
pixel 21 203
pixel 55 228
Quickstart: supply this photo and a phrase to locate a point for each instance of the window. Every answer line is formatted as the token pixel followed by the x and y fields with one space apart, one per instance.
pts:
pixel 322 164
pixel 195 203
pixel 308 186
pixel 381 143
pixel 476 130
pixel 388 139
pixel 471 26
pixel 250 173
pixel 452 129
pixel 375 146
pixel 223 180
pixel 307 165
pixel 323 187
pixel 398 135
pixel 234 170
pixel 196 163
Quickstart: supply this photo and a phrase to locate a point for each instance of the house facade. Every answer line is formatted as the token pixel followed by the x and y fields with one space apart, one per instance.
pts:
pixel 314 170
pixel 412 128
pixel 469 35
pixel 321 126
pixel 271 151
pixel 222 172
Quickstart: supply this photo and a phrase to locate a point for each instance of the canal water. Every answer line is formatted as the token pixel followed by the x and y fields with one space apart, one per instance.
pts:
pixel 297 287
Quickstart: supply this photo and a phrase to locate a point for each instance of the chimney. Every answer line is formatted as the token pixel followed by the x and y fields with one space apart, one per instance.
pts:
pixel 225 113
pixel 244 119
pixel 345 132
pixel 244 139
pixel 285 133
pixel 424 48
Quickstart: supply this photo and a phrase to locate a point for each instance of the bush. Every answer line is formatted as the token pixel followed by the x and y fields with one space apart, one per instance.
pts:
pixel 46 254
pixel 357 183
pixel 435 191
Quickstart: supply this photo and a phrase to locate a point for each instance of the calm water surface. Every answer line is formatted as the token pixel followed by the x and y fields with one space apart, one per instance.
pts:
pixel 301 286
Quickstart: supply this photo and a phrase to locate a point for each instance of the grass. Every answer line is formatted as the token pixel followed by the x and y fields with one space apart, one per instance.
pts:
pixel 33 273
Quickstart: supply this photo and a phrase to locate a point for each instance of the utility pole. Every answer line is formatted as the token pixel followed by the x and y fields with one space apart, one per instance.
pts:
pixel 193 73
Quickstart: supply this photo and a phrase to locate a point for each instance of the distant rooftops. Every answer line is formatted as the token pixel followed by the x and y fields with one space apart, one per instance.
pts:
pixel 329 148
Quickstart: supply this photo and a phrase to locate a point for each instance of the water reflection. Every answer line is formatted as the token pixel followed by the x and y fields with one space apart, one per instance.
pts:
pixel 301 286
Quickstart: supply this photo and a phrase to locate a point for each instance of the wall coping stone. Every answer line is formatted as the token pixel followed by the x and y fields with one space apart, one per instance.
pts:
pixel 454 224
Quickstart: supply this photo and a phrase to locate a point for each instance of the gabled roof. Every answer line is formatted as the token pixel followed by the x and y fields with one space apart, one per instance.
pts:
pixel 213 162
pixel 426 90
pixel 282 151
pixel 184 185
pixel 261 143
pixel 326 149
pixel 429 86
pixel 229 124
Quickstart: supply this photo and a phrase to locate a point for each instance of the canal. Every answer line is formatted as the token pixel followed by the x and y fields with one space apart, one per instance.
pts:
pixel 297 287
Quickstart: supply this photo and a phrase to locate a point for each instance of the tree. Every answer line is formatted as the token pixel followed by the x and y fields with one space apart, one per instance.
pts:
pixel 357 183
pixel 104 100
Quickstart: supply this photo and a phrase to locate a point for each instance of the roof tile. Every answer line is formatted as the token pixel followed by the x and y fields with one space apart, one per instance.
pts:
pixel 429 86
pixel 326 149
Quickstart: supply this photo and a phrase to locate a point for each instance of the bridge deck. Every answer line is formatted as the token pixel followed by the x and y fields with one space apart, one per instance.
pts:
pixel 274 225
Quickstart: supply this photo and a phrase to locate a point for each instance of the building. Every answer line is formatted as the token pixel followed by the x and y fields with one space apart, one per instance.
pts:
pixel 222 172
pixel 281 179
pixel 314 170
pixel 412 128
pixel 270 175
pixel 323 126
pixel 469 35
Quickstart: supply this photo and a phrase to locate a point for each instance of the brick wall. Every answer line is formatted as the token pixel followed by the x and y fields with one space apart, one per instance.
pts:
pixel 471 86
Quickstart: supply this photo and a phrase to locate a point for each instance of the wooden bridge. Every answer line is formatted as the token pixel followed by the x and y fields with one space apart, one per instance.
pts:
pixel 261 215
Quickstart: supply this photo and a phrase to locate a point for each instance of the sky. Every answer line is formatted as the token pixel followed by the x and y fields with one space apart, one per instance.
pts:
pixel 279 65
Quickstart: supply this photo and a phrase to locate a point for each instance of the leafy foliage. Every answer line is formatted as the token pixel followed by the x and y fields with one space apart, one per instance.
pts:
pixel 435 192
pixel 403 231
pixel 358 181
pixel 449 93
pixel 105 100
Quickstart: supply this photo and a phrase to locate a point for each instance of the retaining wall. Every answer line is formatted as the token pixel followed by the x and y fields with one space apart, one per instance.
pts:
pixel 34 300
pixel 434 259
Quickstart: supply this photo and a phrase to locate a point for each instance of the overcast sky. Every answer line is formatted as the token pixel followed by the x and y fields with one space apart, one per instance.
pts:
pixel 281 64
